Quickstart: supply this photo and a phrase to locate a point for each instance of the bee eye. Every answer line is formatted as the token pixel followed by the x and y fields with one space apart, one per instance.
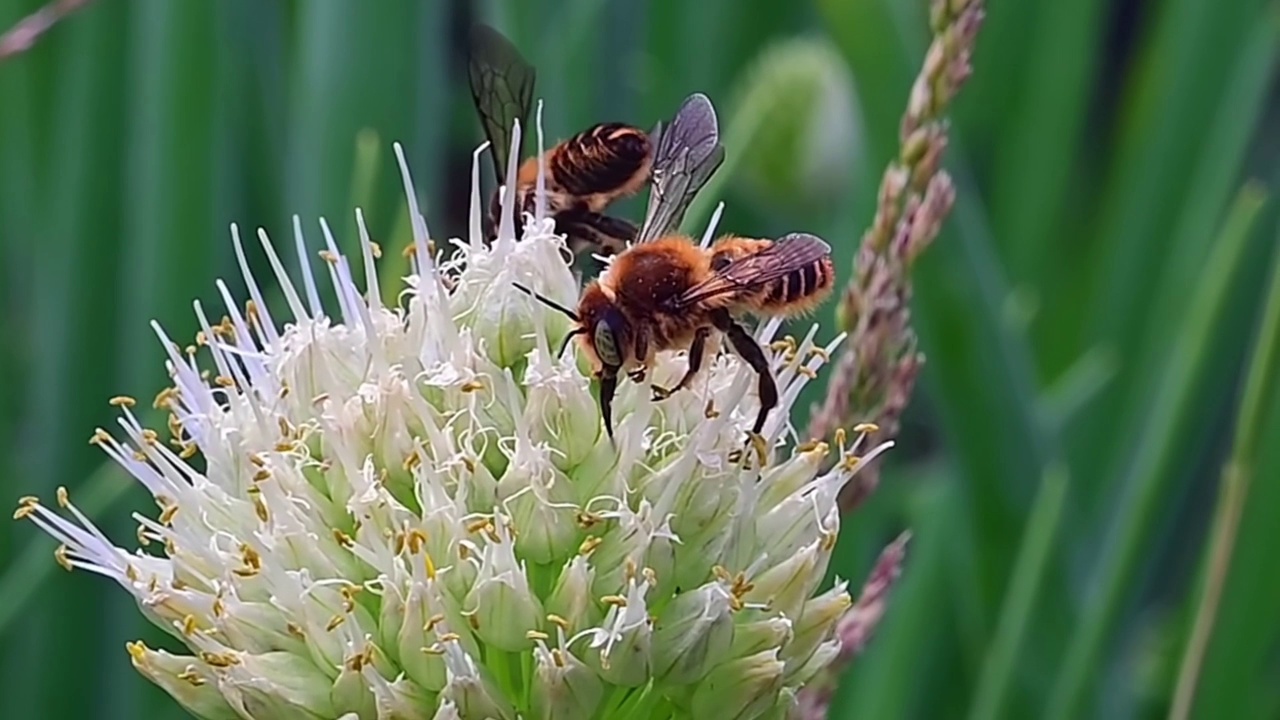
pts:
pixel 606 344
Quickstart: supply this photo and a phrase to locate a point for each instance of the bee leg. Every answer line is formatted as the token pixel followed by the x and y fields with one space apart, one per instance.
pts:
pixel 697 349
pixel 750 350
pixel 609 234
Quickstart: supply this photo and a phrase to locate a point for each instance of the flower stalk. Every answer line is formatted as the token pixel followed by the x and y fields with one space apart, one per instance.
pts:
pixel 876 371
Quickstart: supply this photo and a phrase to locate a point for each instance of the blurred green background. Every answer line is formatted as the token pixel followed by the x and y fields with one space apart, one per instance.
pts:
pixel 1090 313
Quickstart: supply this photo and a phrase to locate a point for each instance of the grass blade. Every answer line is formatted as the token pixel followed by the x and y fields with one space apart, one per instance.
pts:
pixel 1024 587
pixel 1236 478
pixel 1142 483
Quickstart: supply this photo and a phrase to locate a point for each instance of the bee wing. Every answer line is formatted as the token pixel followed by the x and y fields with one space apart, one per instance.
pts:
pixel 686 154
pixel 745 274
pixel 502 86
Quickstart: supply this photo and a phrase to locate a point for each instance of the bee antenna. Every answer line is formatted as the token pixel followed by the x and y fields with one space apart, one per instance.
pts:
pixel 568 338
pixel 548 302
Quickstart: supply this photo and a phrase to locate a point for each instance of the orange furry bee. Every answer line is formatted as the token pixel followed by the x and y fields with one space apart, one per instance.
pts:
pixel 583 174
pixel 667 293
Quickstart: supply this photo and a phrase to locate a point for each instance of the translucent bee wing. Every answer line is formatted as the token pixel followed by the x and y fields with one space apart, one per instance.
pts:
pixel 687 152
pixel 502 85
pixel 786 255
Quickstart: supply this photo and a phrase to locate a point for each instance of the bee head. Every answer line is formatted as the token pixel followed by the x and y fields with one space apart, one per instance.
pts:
pixel 605 336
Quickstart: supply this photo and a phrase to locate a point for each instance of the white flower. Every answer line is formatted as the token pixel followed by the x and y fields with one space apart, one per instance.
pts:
pixel 414 512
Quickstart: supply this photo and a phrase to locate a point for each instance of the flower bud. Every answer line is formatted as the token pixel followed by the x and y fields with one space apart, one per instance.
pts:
pixel 563 687
pixel 740 688
pixel 692 635
pixel 540 500
pixel 474 696
pixel 785 586
pixel 280 684
pixel 755 636
pixel 618 650
pixel 559 409
pixel 501 607
pixel 817 624
pixel 572 598
pixel 190 682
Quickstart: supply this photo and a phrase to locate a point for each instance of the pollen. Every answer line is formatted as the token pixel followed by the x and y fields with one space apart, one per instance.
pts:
pixel 866 427
pixel 122 401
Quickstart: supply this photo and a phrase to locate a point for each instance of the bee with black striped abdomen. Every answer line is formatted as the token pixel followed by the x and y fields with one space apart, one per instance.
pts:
pixel 667 293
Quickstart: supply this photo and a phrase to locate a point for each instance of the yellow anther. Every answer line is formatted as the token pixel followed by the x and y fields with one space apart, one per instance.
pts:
pixel 60 555
pixel 589 545
pixel 472 386
pixel 432 622
pixel 710 412
pixel 586 520
pixel 260 509
pixel 219 608
pixel 164 398
pixel 469 464
pixel 188 451
pixel 122 401
pixel 26 507
pixel 558 622
pixel 64 498
pixel 342 538
pixel 841 437
pixel 415 539
pixel 317 400
pixel 851 462
pixel 866 427
pixel 409 251
pixel 219 659
pixel 189 626
pixel 334 622
pixel 537 635
pixel 150 437
pixel 295 630
pixel 614 600
pixel 191 676
pixel 449 637
pixel 412 461
pixel 262 475
pixel 167 514
pixel 224 381
pixel 328 257
pixel 137 651
pixel 430 566
pixel 820 353
pixel 100 437
pixel 472 619
pixel 807 372
pixel 376 249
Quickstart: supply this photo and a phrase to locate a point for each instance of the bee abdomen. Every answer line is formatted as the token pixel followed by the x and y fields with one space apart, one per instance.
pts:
pixel 801 284
pixel 601 159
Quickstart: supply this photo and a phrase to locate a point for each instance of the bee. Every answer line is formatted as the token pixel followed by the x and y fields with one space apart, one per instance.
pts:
pixel 667 293
pixel 583 174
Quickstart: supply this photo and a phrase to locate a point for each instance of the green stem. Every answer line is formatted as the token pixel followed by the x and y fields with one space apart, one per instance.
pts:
pixel 1154 458
pixel 1024 588
pixel 1236 477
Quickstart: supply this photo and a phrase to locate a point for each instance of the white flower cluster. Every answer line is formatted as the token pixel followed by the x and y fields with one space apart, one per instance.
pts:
pixel 414 511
